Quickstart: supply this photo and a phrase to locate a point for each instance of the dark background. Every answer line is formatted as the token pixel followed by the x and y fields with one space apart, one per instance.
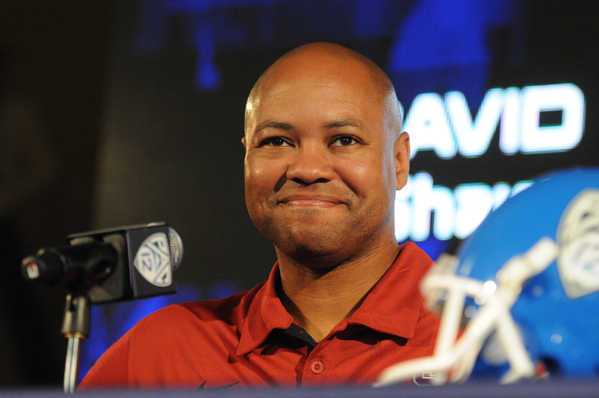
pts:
pixel 116 113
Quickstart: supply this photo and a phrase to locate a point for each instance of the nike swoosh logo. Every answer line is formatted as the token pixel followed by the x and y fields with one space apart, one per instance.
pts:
pixel 203 386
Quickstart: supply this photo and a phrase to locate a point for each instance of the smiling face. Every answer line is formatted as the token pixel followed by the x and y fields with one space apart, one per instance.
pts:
pixel 324 157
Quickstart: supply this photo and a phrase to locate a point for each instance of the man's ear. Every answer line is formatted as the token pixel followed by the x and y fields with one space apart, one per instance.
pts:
pixel 401 152
pixel 243 142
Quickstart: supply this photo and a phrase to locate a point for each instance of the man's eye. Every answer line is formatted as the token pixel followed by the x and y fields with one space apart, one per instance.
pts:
pixel 345 140
pixel 274 141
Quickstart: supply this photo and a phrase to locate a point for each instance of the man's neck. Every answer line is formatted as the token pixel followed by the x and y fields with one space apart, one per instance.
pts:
pixel 319 300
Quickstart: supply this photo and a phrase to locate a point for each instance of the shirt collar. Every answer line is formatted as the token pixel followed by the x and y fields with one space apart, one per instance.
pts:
pixel 265 314
pixel 393 306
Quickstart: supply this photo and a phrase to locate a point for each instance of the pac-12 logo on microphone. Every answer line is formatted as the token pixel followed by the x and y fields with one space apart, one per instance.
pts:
pixel 153 260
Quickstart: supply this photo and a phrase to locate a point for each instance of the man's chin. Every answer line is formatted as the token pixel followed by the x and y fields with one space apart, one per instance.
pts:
pixel 314 253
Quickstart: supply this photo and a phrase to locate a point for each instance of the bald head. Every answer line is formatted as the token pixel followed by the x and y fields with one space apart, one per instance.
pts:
pixel 322 63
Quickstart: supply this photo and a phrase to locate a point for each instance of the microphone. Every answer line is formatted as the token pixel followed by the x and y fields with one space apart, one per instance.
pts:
pixel 114 264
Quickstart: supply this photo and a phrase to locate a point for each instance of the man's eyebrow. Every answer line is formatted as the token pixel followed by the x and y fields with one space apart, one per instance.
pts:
pixel 344 122
pixel 275 125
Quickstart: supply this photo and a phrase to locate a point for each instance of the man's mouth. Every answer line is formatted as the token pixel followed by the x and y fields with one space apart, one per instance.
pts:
pixel 310 200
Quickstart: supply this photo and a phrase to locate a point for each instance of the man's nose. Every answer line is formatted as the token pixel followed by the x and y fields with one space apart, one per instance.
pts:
pixel 311 164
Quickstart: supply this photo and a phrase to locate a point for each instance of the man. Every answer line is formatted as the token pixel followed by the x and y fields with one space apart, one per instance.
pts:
pixel 324 157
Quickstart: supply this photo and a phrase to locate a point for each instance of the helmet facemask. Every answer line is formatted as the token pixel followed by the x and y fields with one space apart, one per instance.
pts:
pixel 456 350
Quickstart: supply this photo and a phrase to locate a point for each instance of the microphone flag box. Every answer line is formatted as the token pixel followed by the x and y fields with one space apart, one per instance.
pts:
pixel 147 256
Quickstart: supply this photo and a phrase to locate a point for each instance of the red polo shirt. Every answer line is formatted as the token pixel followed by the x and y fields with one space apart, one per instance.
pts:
pixel 249 339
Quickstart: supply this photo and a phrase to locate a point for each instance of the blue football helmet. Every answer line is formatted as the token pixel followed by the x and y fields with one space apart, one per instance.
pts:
pixel 522 293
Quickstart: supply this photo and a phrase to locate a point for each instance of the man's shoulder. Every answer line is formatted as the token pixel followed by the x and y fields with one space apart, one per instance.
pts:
pixel 175 345
pixel 412 249
pixel 231 311
pixel 413 259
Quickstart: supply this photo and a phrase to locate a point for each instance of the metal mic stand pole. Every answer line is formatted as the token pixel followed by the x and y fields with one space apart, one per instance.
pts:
pixel 75 327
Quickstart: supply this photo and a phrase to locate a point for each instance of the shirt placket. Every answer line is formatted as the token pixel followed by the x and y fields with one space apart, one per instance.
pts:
pixel 317 365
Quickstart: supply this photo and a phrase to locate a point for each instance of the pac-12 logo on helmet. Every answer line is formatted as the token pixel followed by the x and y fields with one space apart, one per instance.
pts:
pixel 522 293
pixel 578 239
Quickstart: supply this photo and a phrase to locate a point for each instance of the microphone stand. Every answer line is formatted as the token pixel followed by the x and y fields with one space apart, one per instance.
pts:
pixel 81 265
pixel 100 258
pixel 75 327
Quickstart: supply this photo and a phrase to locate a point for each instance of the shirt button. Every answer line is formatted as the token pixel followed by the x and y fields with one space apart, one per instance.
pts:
pixel 317 367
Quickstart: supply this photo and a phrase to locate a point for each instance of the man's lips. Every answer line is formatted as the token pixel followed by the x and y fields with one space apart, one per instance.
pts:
pixel 310 200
